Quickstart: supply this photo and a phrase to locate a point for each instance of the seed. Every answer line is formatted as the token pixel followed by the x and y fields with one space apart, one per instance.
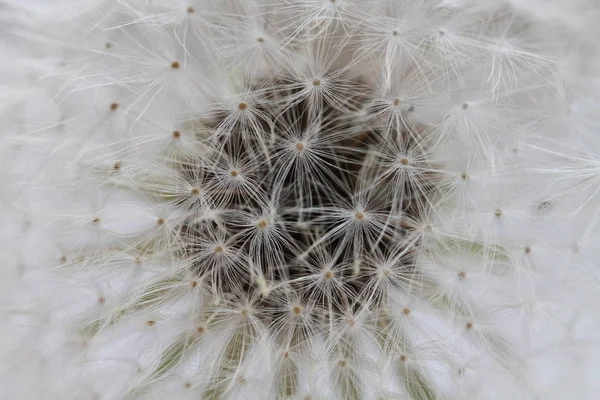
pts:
pixel 263 223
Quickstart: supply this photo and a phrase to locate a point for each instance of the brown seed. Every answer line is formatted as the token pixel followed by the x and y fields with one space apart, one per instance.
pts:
pixel 359 215
pixel 200 329
pixel 395 33
pixel 297 310
pixel 403 357
pixel 151 322
pixel 242 106
pixel 234 172
pixel 193 284
pixel 299 146
pixel 114 105
pixel 117 165
pixel 260 40
pixel 464 176
pixel 244 313
pixel 96 220
pixel 107 45
pixel 160 221
pixel 462 275
pixel 101 300
pixel 404 161
pixel 175 65
pixel 218 249
pixel 406 310
pixel 263 223
pixel 188 385
pixel 195 191
pixel 316 82
pixel 190 10
pixel 329 275
pixel 527 250
pixel 396 102
pixel 469 325
pixel 498 213
pixel 176 134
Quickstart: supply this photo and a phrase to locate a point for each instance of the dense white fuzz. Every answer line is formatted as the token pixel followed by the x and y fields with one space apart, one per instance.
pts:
pixel 299 199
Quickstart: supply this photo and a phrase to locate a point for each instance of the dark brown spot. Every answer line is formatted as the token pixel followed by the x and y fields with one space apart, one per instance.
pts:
pixel 195 191
pixel 297 310
pixel 234 172
pixel 63 259
pixel 527 249
pixel 114 106
pixel 404 161
pixel 462 275
pixel 329 275
pixel 200 329
pixel 193 284
pixel 403 358
pixel 101 300
pixel 96 221
pixel 188 385
pixel 190 10
pixel 299 146
pixel 464 176
pixel 242 106
pixel 176 134
pixel 498 213
pixel 218 249
pixel 406 310
pixel 359 215
pixel 469 325
pixel 160 221
pixel 260 40
pixel 175 65
pixel 117 166
pixel 397 102
pixel 151 322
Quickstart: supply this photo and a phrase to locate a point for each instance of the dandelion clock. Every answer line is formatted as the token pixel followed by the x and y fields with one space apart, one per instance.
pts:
pixel 299 199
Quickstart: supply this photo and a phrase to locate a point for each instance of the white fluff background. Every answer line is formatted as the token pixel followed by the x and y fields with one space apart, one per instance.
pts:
pixel 299 199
